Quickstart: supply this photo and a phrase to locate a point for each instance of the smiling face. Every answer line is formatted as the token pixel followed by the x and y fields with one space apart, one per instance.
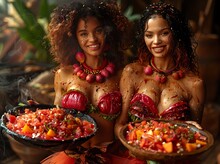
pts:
pixel 91 36
pixel 158 37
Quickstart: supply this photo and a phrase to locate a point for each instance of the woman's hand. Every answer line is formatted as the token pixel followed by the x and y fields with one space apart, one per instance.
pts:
pixel 32 102
pixel 194 123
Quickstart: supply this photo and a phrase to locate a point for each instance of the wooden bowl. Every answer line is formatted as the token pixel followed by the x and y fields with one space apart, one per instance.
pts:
pixel 159 156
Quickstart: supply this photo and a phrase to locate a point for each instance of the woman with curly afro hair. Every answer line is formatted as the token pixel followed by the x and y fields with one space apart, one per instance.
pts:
pixel 87 39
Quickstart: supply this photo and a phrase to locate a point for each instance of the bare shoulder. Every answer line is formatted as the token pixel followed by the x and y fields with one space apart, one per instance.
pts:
pixel 133 68
pixel 65 70
pixel 198 81
pixel 194 81
pixel 198 84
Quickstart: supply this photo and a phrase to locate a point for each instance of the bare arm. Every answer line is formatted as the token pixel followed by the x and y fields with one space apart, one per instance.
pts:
pixel 127 91
pixel 57 88
pixel 198 99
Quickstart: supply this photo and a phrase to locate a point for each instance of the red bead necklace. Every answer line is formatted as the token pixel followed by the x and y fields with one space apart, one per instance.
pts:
pixel 84 72
pixel 161 75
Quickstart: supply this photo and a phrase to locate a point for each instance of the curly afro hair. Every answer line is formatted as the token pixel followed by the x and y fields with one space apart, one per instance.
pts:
pixel 64 20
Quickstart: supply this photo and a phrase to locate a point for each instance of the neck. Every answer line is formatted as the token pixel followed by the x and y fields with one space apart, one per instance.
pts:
pixel 94 62
pixel 163 65
pixel 100 66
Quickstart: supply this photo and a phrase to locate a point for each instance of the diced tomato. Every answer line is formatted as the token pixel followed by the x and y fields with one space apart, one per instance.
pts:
pixel 148 136
pixel 87 124
pixel 142 142
pixel 184 141
pixel 132 135
pixel 154 123
pixel 10 126
pixel 87 130
pixel 175 138
pixel 130 127
pixel 137 124
pixel 71 127
pixel 11 118
pixel 144 122
pixel 41 122
pixel 159 146
pixel 78 132
pixel 170 138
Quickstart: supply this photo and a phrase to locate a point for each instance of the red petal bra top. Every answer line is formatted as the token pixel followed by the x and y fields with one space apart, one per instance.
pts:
pixel 109 105
pixel 142 107
pixel 74 100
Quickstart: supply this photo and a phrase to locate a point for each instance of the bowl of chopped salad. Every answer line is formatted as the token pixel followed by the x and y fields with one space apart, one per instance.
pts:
pixel 161 140
pixel 48 126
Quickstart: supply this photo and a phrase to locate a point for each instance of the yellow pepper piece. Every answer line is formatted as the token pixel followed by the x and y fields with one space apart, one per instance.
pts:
pixel 168 147
pixel 191 147
pixel 51 133
pixel 27 129
pixel 78 121
pixel 156 132
pixel 139 134
pixel 201 142
pixel 150 132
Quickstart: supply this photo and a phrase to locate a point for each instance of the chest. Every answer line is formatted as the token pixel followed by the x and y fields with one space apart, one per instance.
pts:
pixel 93 91
pixel 164 95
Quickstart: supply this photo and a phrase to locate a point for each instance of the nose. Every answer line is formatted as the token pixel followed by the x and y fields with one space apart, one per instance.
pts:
pixel 156 39
pixel 92 37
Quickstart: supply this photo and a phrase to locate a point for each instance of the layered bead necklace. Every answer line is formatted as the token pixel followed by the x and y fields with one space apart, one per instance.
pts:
pixel 84 72
pixel 161 75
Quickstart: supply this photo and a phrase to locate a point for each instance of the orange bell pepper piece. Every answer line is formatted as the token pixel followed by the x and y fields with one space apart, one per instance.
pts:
pixel 191 147
pixel 27 129
pixel 203 143
pixel 168 147
pixel 51 133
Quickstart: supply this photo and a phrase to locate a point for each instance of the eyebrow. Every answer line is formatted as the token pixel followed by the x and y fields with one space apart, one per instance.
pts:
pixel 83 30
pixel 160 29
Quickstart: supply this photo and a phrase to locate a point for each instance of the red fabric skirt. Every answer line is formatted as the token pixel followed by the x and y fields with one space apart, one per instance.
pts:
pixel 58 158
pixel 63 158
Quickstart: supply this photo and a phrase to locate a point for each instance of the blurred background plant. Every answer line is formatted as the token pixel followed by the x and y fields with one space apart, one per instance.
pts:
pixel 129 12
pixel 29 19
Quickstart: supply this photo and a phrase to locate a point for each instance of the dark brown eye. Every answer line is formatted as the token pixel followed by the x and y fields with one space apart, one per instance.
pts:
pixel 165 33
pixel 84 34
pixel 148 35
pixel 99 30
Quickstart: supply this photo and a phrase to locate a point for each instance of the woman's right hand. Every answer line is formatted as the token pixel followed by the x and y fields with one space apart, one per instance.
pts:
pixel 194 123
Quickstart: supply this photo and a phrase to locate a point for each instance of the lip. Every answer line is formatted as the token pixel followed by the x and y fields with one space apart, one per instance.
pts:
pixel 158 49
pixel 94 46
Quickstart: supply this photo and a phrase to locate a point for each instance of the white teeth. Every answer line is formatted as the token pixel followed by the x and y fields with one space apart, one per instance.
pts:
pixel 159 49
pixel 94 46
